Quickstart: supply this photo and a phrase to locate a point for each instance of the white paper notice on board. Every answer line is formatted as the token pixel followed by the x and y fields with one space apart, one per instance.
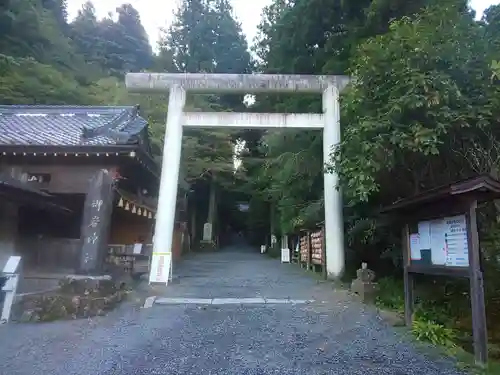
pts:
pixel 438 252
pixel 424 230
pixel 415 247
pixel 457 246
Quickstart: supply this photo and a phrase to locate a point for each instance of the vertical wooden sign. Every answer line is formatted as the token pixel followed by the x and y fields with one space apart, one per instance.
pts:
pixel 95 223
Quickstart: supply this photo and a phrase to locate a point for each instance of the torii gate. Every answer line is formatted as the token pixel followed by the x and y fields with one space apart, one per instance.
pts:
pixel 177 84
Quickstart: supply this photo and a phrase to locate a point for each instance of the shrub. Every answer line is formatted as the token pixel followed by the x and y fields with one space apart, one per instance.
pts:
pixel 436 334
pixel 391 294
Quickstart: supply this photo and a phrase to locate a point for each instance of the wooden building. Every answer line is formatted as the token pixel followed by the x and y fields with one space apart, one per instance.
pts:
pixel 57 151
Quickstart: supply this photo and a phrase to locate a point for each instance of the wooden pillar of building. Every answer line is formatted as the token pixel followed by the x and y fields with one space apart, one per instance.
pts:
pixel 96 220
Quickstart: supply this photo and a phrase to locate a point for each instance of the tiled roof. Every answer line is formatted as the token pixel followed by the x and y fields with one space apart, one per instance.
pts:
pixel 32 125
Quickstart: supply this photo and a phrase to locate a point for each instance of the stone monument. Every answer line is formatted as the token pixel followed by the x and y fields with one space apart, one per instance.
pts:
pixel 364 284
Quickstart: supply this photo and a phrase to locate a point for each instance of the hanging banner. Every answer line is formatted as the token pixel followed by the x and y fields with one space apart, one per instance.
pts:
pixel 161 264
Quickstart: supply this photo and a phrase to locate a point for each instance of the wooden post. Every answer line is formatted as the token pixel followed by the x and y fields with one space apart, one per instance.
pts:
pixel 324 272
pixel 300 249
pixel 408 277
pixel 309 249
pixel 479 331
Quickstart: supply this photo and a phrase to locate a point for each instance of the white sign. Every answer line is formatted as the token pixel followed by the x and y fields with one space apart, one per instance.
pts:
pixel 424 231
pixel 456 244
pixel 438 256
pixel 137 248
pixel 285 255
pixel 415 247
pixel 11 270
pixel 161 264
pixel 447 240
pixel 207 232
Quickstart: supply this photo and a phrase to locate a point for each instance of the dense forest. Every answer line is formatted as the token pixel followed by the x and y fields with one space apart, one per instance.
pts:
pixel 422 111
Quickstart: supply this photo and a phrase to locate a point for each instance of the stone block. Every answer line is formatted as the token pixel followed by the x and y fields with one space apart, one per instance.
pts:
pixel 364 285
pixel 77 297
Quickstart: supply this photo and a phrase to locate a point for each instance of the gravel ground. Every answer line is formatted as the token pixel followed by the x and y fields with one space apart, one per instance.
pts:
pixel 333 335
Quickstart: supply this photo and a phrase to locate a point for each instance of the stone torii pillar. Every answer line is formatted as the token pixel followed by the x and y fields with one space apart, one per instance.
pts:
pixel 177 84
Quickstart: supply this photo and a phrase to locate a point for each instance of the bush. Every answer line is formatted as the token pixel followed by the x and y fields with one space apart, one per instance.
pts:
pixel 436 334
pixel 391 294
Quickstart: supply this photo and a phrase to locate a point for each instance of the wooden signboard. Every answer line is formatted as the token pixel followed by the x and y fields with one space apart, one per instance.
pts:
pixel 440 237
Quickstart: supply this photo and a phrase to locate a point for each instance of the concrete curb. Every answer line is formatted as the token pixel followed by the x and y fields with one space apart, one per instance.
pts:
pixel 149 302
pixel 228 301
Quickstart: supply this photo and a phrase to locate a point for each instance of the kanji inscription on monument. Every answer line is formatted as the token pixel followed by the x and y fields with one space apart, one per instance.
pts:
pixel 95 223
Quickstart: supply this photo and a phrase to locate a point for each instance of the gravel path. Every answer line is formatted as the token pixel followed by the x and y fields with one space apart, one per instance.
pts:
pixel 333 335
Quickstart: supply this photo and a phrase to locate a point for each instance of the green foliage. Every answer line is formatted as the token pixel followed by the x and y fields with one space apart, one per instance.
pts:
pixel 390 295
pixel 287 175
pixel 337 37
pixel 26 81
pixel 116 47
pixel 436 334
pixel 45 60
pixel 412 95
pixel 430 321
pixel 205 37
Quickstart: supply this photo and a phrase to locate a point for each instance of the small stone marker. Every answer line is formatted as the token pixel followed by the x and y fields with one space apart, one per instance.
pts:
pixel 364 284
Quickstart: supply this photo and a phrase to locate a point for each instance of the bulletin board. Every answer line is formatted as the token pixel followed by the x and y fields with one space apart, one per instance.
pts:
pixel 441 242
pixel 440 237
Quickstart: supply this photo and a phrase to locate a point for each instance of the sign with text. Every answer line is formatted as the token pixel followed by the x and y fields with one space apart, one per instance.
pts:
pixel 161 264
pixel 441 242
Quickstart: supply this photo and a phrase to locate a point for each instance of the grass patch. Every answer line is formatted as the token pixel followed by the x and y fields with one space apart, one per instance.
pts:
pixel 390 295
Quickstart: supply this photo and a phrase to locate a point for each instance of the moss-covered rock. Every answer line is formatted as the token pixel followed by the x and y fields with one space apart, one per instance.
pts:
pixel 76 298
